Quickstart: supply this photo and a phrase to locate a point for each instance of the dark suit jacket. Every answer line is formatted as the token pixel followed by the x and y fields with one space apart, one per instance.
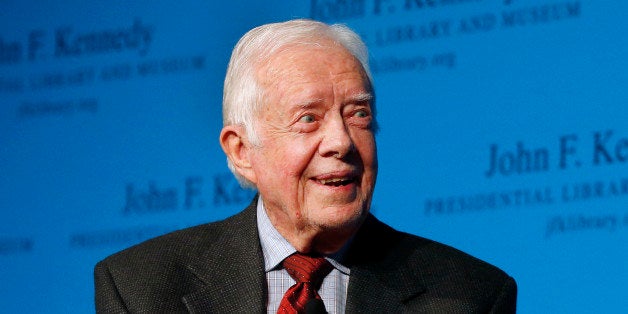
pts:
pixel 219 268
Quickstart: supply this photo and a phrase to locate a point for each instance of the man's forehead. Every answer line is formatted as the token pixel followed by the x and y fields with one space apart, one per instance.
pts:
pixel 307 57
pixel 306 75
pixel 311 66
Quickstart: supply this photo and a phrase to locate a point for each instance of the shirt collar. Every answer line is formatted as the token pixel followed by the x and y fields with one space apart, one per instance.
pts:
pixel 276 248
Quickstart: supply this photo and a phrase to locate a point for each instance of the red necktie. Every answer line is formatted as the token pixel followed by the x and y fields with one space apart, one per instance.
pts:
pixel 309 273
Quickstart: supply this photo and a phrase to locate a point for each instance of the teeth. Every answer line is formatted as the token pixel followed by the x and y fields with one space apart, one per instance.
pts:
pixel 333 181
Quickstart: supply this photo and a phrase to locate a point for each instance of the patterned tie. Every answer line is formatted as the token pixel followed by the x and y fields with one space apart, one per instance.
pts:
pixel 309 273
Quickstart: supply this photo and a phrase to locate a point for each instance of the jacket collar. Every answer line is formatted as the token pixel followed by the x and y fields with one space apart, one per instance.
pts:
pixel 381 280
pixel 233 273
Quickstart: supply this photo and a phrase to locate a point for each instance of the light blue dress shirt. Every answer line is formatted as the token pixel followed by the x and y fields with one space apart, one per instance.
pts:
pixel 276 248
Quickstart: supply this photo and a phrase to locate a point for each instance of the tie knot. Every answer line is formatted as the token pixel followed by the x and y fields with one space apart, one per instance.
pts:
pixel 304 268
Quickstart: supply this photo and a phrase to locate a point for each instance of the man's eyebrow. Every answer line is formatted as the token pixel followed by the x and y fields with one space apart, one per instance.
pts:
pixel 306 104
pixel 360 97
pixel 309 103
pixel 356 98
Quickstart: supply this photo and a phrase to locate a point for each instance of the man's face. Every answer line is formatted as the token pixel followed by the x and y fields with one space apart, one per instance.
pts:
pixel 317 162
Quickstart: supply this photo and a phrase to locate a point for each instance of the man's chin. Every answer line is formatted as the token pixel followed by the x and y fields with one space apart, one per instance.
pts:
pixel 342 220
pixel 332 235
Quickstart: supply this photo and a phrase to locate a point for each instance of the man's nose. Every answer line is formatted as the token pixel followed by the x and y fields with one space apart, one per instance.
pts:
pixel 336 140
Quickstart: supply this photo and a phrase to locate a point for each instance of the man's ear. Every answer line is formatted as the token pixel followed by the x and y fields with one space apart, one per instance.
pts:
pixel 237 148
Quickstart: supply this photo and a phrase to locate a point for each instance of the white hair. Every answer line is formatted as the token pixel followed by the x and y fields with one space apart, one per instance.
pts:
pixel 242 94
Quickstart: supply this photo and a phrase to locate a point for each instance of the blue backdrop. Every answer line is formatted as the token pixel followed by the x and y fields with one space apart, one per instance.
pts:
pixel 502 133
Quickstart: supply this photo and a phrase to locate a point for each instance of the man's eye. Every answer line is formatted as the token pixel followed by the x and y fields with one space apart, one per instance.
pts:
pixel 307 118
pixel 361 114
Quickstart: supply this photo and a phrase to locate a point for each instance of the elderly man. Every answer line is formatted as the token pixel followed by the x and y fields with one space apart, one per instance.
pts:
pixel 299 126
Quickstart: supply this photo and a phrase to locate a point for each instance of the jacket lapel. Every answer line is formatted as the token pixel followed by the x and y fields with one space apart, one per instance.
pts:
pixel 230 266
pixel 232 270
pixel 380 281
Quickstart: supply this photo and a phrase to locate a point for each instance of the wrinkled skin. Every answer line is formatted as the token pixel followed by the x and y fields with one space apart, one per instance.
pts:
pixel 316 163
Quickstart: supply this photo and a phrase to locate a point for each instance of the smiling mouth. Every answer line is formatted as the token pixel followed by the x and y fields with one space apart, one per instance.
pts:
pixel 336 181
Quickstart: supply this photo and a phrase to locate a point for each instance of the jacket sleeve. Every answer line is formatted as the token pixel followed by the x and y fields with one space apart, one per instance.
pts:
pixel 506 303
pixel 107 298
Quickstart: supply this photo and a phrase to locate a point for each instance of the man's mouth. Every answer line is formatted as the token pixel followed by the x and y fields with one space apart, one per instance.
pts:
pixel 336 181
